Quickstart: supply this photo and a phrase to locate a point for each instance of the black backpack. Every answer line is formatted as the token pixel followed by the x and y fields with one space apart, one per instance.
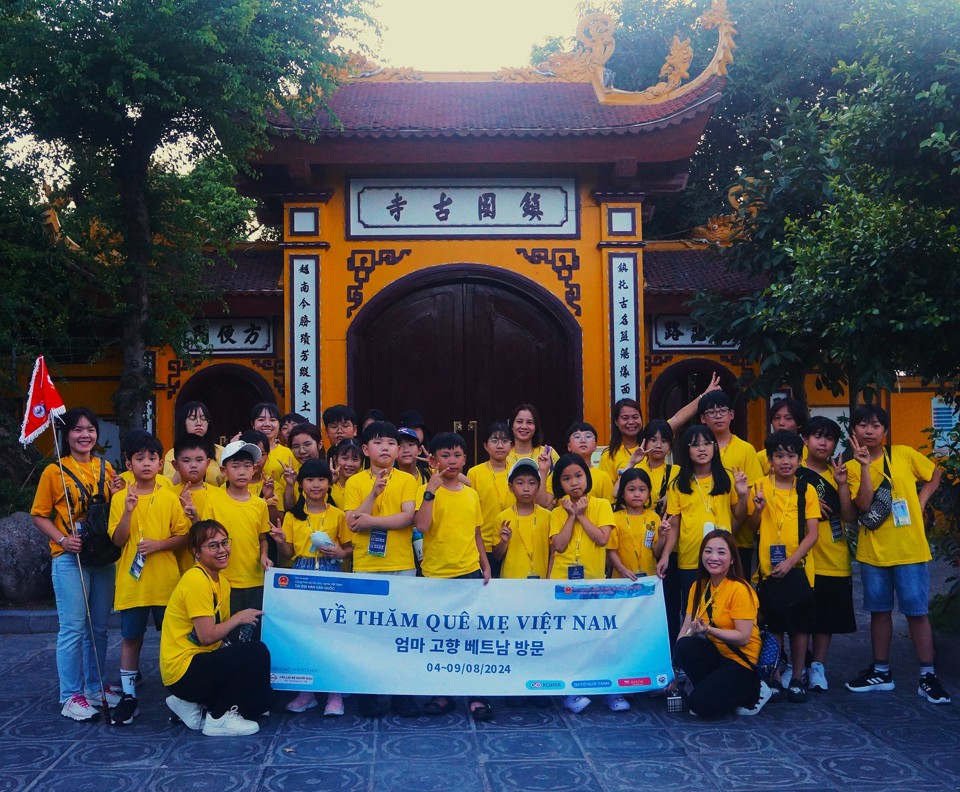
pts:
pixel 98 549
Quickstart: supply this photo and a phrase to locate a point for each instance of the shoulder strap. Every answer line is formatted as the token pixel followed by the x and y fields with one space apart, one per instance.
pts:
pixel 736 649
pixel 801 509
pixel 666 481
pixel 85 493
pixel 103 473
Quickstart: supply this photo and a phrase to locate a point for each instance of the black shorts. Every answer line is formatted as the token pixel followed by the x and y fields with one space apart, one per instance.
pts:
pixel 833 599
pixel 799 618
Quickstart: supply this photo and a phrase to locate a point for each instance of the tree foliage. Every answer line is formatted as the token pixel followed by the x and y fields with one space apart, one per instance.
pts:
pixel 857 229
pixel 109 83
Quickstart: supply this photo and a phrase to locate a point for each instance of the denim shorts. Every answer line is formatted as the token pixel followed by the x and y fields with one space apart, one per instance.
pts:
pixel 133 621
pixel 911 582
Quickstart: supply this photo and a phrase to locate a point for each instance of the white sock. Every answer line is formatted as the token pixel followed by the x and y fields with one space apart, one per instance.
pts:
pixel 128 683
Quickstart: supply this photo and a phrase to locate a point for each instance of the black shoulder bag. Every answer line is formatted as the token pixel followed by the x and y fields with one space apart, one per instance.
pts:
pixel 98 549
pixel 882 501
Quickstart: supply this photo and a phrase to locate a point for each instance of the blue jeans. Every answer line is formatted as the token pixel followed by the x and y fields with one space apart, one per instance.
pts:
pixel 76 661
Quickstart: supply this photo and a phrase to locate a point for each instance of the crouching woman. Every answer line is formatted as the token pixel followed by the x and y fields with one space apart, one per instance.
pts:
pixel 231 682
pixel 719 641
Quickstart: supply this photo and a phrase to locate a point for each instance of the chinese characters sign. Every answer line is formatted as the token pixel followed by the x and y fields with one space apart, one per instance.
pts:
pixel 383 208
pixel 232 335
pixel 624 327
pixel 681 332
pixel 303 317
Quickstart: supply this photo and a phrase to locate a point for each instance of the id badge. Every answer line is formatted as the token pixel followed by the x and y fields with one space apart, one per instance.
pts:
pixel 648 538
pixel 707 527
pixel 136 566
pixel 378 543
pixel 836 529
pixel 533 577
pixel 575 572
pixel 900 512
pixel 778 554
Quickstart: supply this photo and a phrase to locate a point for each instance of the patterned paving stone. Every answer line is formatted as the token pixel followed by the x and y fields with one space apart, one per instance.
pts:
pixel 219 779
pixel 441 776
pixel 427 746
pixel 327 749
pixel 524 719
pixel 627 743
pixel 529 744
pixel 196 749
pixel 344 778
pixel 652 773
pixel 121 752
pixel 96 781
pixel 29 755
pixel 554 776
pixel 773 770
pixel 866 769
pixel 14 782
pixel 726 741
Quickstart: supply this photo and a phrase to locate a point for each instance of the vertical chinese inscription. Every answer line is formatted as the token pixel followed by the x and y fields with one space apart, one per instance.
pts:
pixel 624 327
pixel 304 327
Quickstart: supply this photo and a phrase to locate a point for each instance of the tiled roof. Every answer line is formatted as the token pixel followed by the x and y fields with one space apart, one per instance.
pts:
pixel 689 271
pixel 250 271
pixel 478 109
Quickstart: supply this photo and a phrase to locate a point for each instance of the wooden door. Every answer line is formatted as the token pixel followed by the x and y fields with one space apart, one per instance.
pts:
pixel 467 349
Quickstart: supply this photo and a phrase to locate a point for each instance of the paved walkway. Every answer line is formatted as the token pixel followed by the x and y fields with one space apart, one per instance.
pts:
pixel 836 741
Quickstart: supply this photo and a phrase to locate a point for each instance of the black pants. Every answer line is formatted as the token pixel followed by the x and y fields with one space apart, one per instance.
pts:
pixel 720 684
pixel 671 599
pixel 241 599
pixel 233 676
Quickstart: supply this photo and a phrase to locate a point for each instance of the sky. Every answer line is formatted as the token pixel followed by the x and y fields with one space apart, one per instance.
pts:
pixel 469 35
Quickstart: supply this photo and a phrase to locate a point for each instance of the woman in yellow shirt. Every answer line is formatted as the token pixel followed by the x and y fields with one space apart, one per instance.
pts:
pixel 232 682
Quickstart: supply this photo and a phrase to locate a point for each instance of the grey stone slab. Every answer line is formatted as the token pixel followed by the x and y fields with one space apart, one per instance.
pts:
pixel 30 755
pixel 871 769
pixel 438 776
pixel 197 750
pixel 427 746
pixel 524 718
pixel 779 769
pixel 93 780
pixel 314 721
pixel 725 741
pixel 121 752
pixel 652 773
pixel 604 745
pixel 199 779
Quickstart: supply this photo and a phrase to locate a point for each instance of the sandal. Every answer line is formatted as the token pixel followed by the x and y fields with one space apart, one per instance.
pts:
pixel 618 704
pixel 480 710
pixel 434 707
pixel 303 702
pixel 576 704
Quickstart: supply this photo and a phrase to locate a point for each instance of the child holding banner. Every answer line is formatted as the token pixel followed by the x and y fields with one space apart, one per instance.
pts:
pixel 451 521
pixel 579 532
pixel 491 481
pixel 522 544
pixel 313 537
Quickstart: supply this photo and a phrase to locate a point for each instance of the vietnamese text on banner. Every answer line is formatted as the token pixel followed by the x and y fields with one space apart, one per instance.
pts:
pixel 355 633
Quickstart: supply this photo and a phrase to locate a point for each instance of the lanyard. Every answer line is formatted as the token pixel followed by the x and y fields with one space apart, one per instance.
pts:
pixel 786 508
pixel 707 500
pixel 533 532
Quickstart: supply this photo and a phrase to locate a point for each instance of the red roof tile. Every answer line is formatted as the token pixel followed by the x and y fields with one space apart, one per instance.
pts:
pixel 248 271
pixel 472 109
pixel 689 271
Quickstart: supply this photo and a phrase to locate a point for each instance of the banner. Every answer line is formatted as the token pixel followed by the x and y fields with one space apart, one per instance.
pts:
pixel 43 402
pixel 355 633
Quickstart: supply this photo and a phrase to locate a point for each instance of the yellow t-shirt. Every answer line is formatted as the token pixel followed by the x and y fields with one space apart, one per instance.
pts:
pixel 338 495
pixel 889 545
pixel 695 509
pixel 185 559
pixel 601 485
pixel 157 516
pixel 582 549
pixel 162 480
pixel 741 455
pixel 401 488
pixel 495 496
pixel 213 475
pixel 450 546
pixel 657 476
pixel 529 550
pixel 331 520
pixel 244 521
pixel 612 465
pixel 514 455
pixel 195 595
pixel 51 502
pixel 779 523
pixel 629 539
pixel 831 557
pixel 729 602
pixel 273 468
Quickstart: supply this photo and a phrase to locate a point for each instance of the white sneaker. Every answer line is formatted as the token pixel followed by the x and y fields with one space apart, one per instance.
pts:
pixel 576 704
pixel 765 695
pixel 191 714
pixel 78 708
pixel 786 677
pixel 113 696
pixel 230 724
pixel 818 677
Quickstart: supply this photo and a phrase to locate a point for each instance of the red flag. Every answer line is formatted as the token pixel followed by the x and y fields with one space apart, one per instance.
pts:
pixel 43 402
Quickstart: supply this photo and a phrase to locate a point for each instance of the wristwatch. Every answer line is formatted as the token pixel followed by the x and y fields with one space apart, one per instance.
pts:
pixel 429 496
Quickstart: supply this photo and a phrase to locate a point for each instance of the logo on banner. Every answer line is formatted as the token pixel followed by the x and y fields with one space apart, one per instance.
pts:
pixel 283 581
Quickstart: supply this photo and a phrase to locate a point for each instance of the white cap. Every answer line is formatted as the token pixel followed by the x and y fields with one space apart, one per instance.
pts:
pixel 234 448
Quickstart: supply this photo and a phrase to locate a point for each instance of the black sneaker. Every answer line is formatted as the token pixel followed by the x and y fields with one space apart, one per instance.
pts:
pixel 932 689
pixel 871 679
pixel 125 711
pixel 797 694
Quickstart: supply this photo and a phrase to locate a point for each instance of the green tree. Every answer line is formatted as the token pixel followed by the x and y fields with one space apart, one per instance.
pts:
pixel 109 83
pixel 857 231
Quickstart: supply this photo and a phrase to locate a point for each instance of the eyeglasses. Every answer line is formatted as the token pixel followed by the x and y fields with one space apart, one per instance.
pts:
pixel 214 546
pixel 701 444
pixel 718 412
pixel 583 436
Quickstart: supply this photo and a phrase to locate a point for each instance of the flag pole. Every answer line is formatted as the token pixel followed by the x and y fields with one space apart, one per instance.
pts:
pixel 83 585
